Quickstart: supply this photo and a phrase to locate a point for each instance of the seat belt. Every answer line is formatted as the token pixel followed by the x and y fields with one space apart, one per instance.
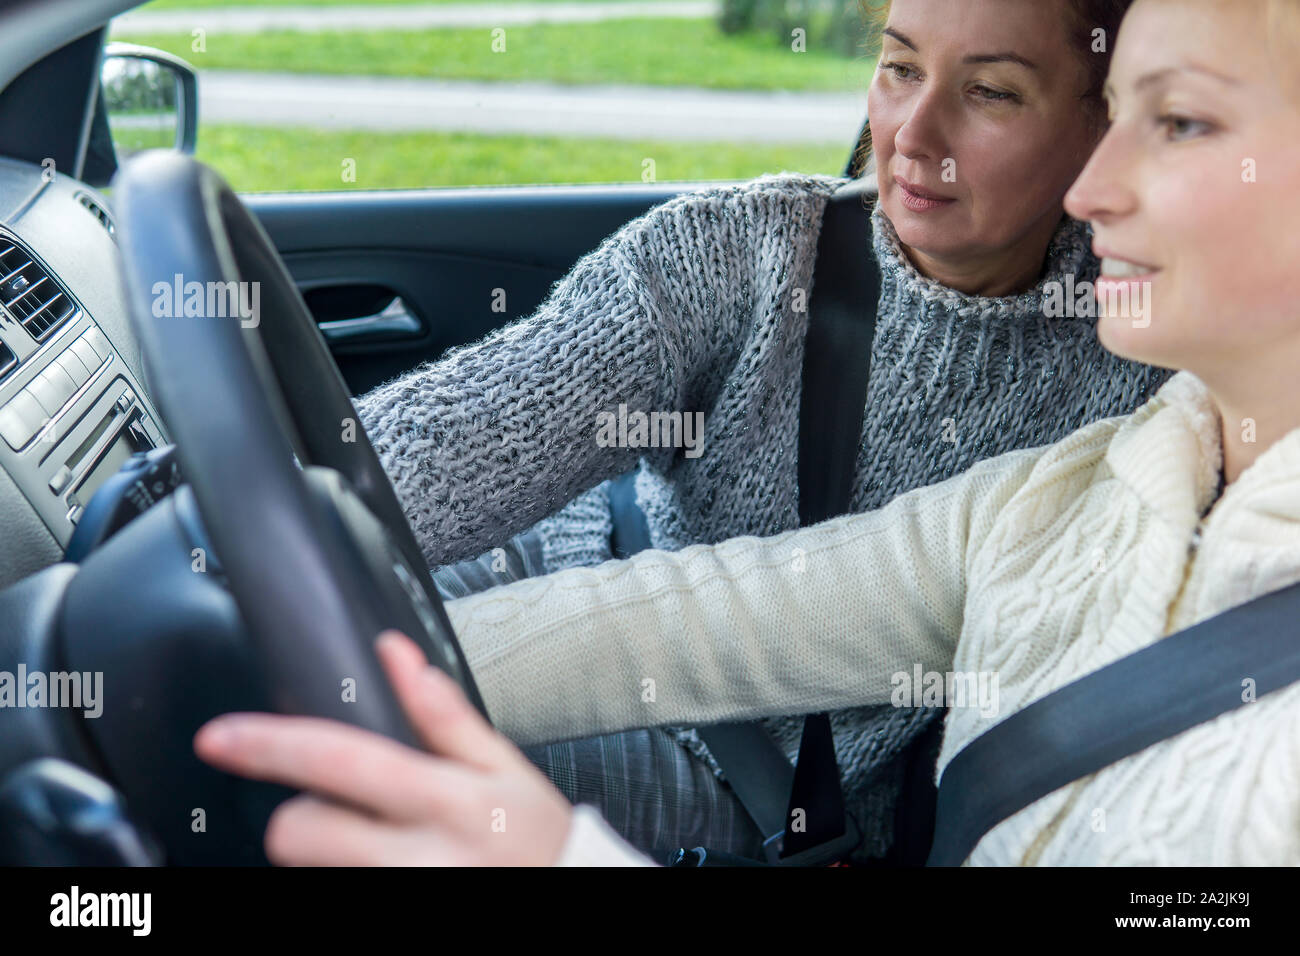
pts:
pixel 836 367
pixel 757 769
pixel 1173 685
pixel 837 360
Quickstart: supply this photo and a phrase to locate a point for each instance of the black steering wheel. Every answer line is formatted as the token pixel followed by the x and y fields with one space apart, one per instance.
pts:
pixel 308 531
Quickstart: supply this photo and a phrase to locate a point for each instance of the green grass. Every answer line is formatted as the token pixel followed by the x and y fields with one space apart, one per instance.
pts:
pixel 652 52
pixel 201 4
pixel 258 159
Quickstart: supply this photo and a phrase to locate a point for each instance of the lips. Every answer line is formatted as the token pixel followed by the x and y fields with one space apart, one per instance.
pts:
pixel 1115 266
pixel 1119 269
pixel 919 199
pixel 920 191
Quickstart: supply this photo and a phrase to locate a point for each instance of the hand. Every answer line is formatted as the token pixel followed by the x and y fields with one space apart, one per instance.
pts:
pixel 474 799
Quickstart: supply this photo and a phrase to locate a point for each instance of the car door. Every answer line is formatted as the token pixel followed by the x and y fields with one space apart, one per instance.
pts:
pixel 395 278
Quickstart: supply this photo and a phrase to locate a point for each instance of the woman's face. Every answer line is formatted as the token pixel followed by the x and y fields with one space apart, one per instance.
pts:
pixel 978 103
pixel 1194 194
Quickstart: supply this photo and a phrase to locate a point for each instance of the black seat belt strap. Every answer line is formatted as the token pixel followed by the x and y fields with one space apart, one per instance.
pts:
pixel 1173 685
pixel 836 367
pixel 837 356
pixel 803 806
pixel 759 773
pixel 756 768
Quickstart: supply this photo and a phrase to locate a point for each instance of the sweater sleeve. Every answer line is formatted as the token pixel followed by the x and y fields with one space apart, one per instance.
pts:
pixel 497 435
pixel 816 619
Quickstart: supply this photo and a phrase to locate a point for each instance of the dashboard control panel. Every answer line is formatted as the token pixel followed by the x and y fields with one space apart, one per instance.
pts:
pixel 71 412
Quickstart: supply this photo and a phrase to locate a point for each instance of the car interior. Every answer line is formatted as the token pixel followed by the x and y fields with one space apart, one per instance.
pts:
pixel 148 487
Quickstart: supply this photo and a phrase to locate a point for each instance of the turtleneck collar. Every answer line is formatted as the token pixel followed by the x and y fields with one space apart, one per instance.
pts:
pixel 1171 452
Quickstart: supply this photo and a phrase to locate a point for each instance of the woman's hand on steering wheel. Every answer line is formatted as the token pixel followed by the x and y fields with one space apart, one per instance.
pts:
pixel 472 799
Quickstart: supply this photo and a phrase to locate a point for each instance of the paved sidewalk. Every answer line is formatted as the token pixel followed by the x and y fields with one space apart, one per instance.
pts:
pixel 619 112
pixel 400 17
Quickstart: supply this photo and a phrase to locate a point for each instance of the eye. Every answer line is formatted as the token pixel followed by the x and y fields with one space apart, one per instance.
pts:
pixel 1183 127
pixel 900 70
pixel 995 96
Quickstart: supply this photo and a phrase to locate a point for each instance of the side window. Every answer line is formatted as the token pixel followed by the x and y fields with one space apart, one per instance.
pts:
pixel 384 94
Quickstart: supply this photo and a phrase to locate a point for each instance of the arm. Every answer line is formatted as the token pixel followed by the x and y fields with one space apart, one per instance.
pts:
pixel 497 435
pixel 815 619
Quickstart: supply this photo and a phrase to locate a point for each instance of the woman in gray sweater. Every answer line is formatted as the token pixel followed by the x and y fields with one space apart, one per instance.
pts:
pixel 699 307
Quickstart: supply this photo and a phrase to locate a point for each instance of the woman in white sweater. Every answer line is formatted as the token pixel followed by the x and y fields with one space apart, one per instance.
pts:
pixel 1031 570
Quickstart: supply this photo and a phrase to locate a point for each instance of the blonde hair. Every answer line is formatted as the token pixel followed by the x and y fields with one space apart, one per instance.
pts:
pixel 1283 25
pixel 1284 16
pixel 1282 31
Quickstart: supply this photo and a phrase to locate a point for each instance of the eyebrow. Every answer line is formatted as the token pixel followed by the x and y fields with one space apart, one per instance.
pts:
pixel 1156 76
pixel 976 58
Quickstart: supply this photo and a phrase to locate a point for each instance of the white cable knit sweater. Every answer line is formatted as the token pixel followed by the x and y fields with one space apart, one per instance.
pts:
pixel 1048 562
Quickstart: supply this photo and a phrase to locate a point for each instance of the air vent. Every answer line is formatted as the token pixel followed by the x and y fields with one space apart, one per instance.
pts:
pixel 29 293
pixel 99 212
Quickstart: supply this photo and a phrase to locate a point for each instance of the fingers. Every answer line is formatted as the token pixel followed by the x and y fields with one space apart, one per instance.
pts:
pixel 350 764
pixel 448 724
pixel 374 801
pixel 308 831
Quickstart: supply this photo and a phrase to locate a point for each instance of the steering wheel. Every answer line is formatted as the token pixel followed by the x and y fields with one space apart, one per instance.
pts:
pixel 314 545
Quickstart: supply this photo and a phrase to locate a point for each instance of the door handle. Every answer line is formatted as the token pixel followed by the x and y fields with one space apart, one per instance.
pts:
pixel 395 320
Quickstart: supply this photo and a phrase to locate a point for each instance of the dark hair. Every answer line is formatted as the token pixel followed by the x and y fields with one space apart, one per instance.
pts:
pixel 1088 16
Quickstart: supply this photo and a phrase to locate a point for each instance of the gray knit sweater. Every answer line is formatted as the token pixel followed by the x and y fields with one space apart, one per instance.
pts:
pixel 695 307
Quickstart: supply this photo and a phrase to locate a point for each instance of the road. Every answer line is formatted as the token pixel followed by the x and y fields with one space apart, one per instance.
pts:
pixel 394 104
pixel 401 17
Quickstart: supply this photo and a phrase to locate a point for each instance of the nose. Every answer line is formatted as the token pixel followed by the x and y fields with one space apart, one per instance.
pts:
pixel 921 136
pixel 1104 190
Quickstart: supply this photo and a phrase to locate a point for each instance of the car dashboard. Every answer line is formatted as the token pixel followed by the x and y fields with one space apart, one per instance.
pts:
pixel 73 408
